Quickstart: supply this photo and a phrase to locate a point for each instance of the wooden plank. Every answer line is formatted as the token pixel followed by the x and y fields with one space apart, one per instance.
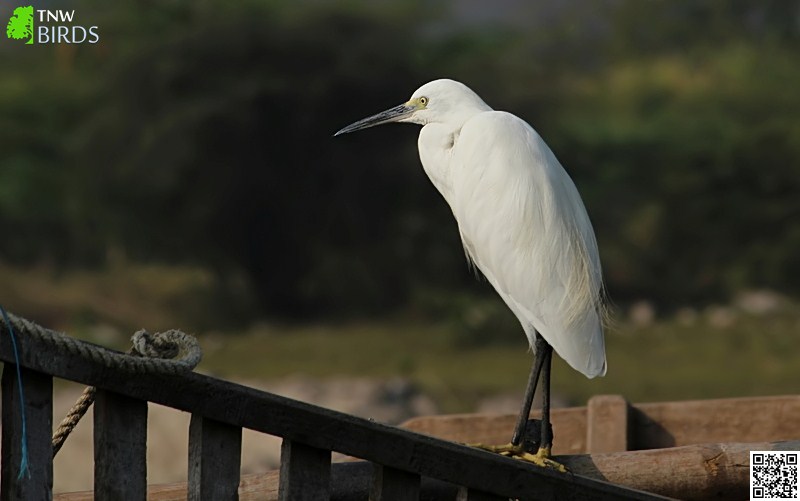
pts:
pixel 569 428
pixel 751 419
pixel 651 425
pixel 322 428
pixel 38 395
pixel 390 484
pixel 120 447
pixel 215 456
pixel 349 482
pixel 305 472
pixel 607 424
pixel 465 494
pixel 701 472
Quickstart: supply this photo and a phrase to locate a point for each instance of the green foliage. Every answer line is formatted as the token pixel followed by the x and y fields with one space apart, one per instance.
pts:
pixel 699 157
pixel 200 134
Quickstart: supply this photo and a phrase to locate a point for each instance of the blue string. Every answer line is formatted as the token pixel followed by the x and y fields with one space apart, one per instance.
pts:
pixel 24 468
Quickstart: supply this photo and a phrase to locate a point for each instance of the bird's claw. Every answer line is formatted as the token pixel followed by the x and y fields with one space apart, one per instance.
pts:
pixel 542 457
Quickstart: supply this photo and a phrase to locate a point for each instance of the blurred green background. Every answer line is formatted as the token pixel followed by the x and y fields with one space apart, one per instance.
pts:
pixel 182 173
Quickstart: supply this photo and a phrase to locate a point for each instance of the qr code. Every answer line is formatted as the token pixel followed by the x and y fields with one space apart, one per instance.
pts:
pixel 773 475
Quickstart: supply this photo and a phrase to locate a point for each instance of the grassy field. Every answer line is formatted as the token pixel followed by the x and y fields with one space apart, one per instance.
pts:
pixel 722 352
pixel 668 360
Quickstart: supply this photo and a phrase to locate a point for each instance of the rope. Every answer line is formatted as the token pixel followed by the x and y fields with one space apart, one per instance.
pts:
pixel 186 346
pixel 72 418
pixel 24 465
pixel 171 352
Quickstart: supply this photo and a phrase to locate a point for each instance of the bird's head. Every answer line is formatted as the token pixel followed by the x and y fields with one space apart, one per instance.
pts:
pixel 439 101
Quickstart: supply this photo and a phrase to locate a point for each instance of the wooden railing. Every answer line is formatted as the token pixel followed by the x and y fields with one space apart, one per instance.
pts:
pixel 220 410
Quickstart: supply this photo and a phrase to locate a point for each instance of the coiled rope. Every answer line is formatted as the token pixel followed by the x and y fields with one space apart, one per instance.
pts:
pixel 170 352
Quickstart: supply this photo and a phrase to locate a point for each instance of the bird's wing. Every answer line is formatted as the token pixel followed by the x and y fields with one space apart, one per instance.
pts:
pixel 525 227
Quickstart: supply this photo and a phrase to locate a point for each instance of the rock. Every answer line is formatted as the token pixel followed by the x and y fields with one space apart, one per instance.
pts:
pixel 759 302
pixel 642 313
pixel 720 317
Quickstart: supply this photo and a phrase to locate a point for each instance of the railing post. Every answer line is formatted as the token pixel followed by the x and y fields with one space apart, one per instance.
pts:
pixel 607 424
pixel 305 472
pixel 215 456
pixel 38 395
pixel 120 447
pixel 465 494
pixel 391 484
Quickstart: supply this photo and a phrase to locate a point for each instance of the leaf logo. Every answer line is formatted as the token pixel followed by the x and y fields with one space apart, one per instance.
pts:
pixel 20 26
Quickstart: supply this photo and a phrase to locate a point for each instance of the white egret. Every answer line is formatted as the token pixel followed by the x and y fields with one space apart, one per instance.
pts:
pixel 522 223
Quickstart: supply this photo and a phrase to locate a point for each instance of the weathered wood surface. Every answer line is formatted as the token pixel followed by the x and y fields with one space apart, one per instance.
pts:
pixel 389 484
pixel 38 391
pixel 465 494
pixel 569 428
pixel 323 429
pixel 349 482
pixel 305 473
pixel 650 426
pixel 120 447
pixel 700 472
pixel 309 428
pixel 710 469
pixel 607 427
pixel 754 419
pixel 703 471
pixel 215 457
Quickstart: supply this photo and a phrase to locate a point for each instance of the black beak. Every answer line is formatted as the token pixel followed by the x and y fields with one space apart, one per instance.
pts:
pixel 391 115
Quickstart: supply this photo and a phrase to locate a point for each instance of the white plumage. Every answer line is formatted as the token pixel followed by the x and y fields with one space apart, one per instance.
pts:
pixel 521 219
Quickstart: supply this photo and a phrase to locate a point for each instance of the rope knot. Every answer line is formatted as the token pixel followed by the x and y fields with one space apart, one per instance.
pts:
pixel 157 345
pixel 169 345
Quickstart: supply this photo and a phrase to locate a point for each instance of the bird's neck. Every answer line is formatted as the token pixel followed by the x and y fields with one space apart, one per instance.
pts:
pixel 436 142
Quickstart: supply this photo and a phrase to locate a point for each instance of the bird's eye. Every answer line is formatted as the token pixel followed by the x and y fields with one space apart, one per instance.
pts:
pixel 423 101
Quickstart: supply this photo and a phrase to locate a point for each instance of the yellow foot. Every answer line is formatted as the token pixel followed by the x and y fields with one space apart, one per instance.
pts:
pixel 541 458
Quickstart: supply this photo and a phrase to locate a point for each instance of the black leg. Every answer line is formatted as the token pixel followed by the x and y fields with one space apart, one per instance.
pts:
pixel 547 432
pixel 542 350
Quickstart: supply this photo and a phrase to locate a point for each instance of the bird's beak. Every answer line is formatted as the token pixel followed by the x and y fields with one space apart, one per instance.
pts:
pixel 391 115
